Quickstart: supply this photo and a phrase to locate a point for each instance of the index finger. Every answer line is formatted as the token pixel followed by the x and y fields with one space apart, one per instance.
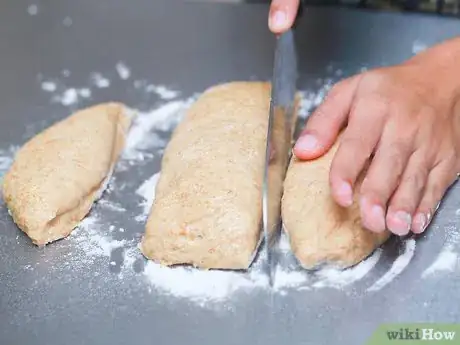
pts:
pixel 282 15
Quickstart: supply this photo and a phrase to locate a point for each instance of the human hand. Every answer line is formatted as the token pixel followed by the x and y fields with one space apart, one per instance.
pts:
pixel 405 120
pixel 282 15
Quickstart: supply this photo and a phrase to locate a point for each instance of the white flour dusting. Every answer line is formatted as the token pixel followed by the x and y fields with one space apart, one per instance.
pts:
pixel 163 118
pixel 92 241
pixel 333 277
pixel 202 287
pixel 67 21
pixel 162 91
pixel 311 100
pixel 147 192
pixel 49 86
pixel 32 10
pixel 99 80
pixel 70 96
pixel 122 70
pixel 447 261
pixel 418 47
pixel 6 158
pixel 399 265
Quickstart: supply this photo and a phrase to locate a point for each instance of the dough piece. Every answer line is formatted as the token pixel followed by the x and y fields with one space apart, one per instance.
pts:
pixel 320 231
pixel 208 208
pixel 58 174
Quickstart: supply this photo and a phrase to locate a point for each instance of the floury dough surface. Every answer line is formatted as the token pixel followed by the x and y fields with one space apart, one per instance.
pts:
pixel 320 231
pixel 207 209
pixel 57 175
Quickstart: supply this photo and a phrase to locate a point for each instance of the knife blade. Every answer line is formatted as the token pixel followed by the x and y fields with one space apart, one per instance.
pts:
pixel 280 127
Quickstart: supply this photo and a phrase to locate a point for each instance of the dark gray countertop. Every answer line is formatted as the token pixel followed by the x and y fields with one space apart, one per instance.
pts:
pixel 191 47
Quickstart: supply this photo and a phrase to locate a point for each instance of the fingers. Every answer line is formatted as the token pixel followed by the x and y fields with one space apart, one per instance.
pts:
pixel 383 177
pixel 440 179
pixel 325 123
pixel 356 146
pixel 407 197
pixel 282 15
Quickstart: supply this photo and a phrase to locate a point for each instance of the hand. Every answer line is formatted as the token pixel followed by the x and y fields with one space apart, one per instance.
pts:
pixel 405 120
pixel 282 15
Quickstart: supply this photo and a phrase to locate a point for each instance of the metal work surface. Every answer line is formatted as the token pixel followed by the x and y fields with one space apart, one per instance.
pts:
pixel 57 295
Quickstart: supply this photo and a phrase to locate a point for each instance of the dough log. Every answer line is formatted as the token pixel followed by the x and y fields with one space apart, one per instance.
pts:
pixel 57 175
pixel 207 210
pixel 320 231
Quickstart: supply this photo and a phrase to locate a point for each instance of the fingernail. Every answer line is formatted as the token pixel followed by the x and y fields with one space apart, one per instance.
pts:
pixel 345 194
pixel 278 20
pixel 420 223
pixel 373 216
pixel 401 224
pixel 378 217
pixel 306 142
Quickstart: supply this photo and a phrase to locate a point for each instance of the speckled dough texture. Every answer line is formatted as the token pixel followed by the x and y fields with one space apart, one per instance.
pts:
pixel 57 175
pixel 207 208
pixel 320 231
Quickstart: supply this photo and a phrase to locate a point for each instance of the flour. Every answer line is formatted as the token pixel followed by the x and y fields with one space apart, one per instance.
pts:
pixel 162 91
pixel 32 10
pixel 122 70
pixel 91 241
pixel 310 100
pixel 202 287
pixel 49 86
pixel 336 278
pixel 99 80
pixel 67 21
pixel 6 158
pixel 163 118
pixel 399 265
pixel 70 96
pixel 65 73
pixel 418 47
pixel 147 192
pixel 447 261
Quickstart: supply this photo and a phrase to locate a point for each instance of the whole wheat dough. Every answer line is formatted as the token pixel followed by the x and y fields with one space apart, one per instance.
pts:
pixel 320 231
pixel 207 207
pixel 57 175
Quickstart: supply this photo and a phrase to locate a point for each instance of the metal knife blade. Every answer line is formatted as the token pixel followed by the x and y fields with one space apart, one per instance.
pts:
pixel 279 134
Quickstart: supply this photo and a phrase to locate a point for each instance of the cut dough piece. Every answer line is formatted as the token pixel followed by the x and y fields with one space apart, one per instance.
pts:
pixel 208 208
pixel 57 175
pixel 320 231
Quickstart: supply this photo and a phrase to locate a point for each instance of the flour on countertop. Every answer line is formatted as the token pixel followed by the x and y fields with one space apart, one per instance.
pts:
pixel 147 192
pixel 32 10
pixel 49 86
pixel 123 70
pixel 99 80
pixel 310 100
pixel 399 265
pixel 418 47
pixel 98 238
pixel 67 21
pixel 162 91
pixel 447 261
pixel 161 119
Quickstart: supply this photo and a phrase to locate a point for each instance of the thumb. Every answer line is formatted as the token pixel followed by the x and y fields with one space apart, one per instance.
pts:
pixel 324 125
pixel 282 15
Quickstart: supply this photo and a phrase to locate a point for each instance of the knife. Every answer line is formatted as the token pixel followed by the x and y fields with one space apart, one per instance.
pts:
pixel 280 127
